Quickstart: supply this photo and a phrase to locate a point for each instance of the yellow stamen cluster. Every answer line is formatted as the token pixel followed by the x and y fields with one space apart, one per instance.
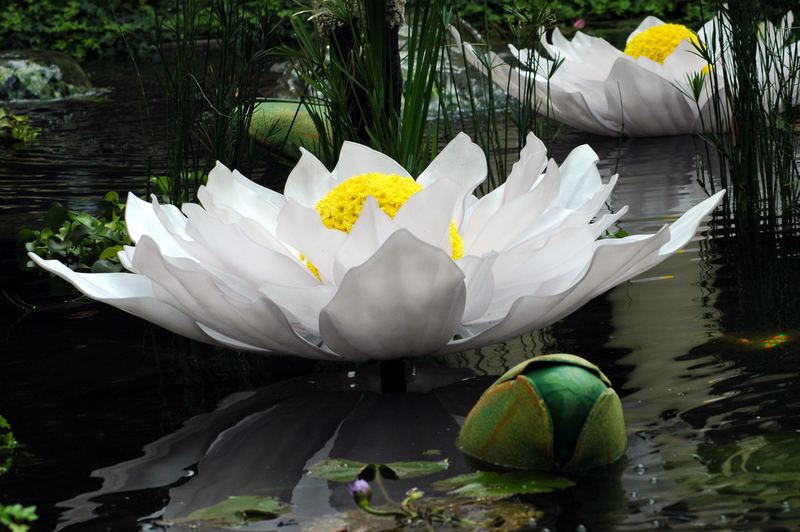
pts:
pixel 658 42
pixel 341 207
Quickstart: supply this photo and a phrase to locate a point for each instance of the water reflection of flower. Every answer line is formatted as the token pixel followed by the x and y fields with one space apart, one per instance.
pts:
pixel 250 444
pixel 366 262
pixel 645 89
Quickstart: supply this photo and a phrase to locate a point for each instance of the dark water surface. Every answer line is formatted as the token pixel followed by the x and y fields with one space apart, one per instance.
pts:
pixel 123 422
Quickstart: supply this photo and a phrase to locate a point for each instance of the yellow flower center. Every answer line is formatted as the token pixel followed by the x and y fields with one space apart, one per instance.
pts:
pixel 658 42
pixel 341 207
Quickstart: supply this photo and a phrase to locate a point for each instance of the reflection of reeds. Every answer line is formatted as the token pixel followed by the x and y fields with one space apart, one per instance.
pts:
pixel 753 83
pixel 211 85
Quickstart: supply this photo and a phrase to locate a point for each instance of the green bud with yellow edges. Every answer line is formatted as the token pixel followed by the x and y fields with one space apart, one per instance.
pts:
pixel 552 412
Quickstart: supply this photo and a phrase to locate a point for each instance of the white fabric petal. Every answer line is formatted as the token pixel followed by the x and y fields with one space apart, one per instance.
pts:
pixel 366 237
pixel 241 198
pixel 227 248
pixel 309 181
pixel 532 162
pixel 644 25
pixel 128 292
pixel 614 261
pixel 141 220
pixel 428 213
pixel 461 161
pixel 647 103
pixel 479 282
pixel 407 300
pixel 255 321
pixel 513 218
pixel 356 159
pixel 580 179
pixel 302 228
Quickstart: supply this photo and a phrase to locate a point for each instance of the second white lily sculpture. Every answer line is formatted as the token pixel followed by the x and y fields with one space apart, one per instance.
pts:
pixel 367 263
pixel 658 85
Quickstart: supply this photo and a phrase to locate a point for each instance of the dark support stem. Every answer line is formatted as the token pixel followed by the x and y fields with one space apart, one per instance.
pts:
pixel 393 375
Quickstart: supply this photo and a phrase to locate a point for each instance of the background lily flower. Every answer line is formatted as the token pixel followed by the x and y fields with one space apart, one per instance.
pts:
pixel 366 262
pixel 644 90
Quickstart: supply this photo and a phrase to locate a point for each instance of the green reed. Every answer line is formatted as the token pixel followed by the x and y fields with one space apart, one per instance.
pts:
pixel 751 135
pixel 349 56
pixel 211 82
pixel 500 124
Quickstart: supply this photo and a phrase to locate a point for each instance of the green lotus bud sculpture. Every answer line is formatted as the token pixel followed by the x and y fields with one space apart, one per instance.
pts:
pixel 552 412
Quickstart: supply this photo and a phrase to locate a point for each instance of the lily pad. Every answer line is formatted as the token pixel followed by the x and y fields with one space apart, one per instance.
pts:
pixel 237 511
pixel 485 484
pixel 419 468
pixel 343 470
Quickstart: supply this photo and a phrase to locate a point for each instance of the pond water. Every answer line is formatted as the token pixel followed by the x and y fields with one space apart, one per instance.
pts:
pixel 125 425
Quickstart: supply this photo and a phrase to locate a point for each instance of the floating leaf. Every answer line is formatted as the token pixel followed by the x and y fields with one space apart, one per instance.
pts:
pixel 483 484
pixel 418 469
pixel 237 511
pixel 343 470
pixel 431 452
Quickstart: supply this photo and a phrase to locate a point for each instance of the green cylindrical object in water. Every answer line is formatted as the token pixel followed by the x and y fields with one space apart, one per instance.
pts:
pixel 285 125
pixel 553 412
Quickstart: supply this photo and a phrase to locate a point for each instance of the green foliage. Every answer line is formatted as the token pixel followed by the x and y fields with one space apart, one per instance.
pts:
pixel 15 128
pixel 13 517
pixel 81 28
pixel 100 28
pixel 495 12
pixel 8 446
pixel 78 239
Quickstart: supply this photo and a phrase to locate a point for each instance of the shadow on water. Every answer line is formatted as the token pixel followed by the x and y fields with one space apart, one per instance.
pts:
pixel 123 422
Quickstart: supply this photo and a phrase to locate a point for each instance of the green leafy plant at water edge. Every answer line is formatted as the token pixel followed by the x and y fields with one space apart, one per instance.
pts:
pixel 8 446
pixel 12 516
pixel 78 239
pixel 15 128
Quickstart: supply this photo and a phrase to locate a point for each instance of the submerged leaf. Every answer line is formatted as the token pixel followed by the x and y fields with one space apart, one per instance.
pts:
pixel 483 484
pixel 419 468
pixel 235 511
pixel 340 470
pixel 343 470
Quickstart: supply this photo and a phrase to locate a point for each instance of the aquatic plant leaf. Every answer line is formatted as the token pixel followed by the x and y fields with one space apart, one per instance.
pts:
pixel 57 214
pixel 417 469
pixel 235 511
pixel 340 470
pixel 482 484
pixel 343 470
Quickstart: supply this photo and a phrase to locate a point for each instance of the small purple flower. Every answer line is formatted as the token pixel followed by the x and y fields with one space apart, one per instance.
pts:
pixel 579 23
pixel 360 491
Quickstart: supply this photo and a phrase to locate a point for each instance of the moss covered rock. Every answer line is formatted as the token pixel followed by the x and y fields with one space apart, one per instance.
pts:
pixel 40 75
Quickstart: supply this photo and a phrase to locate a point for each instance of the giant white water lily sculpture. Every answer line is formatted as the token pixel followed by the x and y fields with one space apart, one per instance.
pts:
pixel 658 85
pixel 367 263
